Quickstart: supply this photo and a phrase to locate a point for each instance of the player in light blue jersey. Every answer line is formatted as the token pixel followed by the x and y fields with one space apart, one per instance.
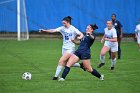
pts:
pixel 69 33
pixel 110 38
pixel 137 34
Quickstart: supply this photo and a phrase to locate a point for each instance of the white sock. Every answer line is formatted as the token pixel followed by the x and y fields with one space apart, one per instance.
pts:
pixel 58 70
pixel 113 62
pixel 76 65
pixel 102 59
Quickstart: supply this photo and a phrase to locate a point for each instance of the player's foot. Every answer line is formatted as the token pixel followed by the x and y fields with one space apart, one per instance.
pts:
pixel 61 79
pixel 55 78
pixel 112 68
pixel 100 65
pixel 102 77
pixel 82 67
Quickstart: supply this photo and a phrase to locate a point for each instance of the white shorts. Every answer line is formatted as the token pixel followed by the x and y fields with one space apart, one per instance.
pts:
pixel 71 51
pixel 138 40
pixel 113 46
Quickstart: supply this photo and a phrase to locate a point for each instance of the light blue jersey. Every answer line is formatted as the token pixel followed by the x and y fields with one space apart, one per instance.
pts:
pixel 68 34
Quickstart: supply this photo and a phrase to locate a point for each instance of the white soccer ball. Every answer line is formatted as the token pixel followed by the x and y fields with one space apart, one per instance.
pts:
pixel 27 76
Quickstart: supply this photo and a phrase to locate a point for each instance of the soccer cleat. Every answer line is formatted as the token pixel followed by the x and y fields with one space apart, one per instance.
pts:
pixel 102 77
pixel 61 79
pixel 112 68
pixel 82 67
pixel 55 78
pixel 100 65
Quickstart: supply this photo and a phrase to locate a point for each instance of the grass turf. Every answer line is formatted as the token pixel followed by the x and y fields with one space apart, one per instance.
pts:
pixel 40 57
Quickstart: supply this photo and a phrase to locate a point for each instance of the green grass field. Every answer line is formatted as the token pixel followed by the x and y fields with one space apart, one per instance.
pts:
pixel 40 57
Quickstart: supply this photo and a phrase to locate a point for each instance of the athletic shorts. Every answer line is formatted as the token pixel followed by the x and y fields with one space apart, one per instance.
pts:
pixel 71 51
pixel 138 40
pixel 83 55
pixel 113 46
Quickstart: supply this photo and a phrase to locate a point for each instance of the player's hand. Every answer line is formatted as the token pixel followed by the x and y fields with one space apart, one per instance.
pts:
pixel 106 39
pixel 79 38
pixel 72 40
pixel 88 33
pixel 41 30
pixel 136 36
pixel 102 40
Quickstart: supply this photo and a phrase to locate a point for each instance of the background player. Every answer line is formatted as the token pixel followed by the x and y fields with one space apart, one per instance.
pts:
pixel 69 32
pixel 137 33
pixel 110 38
pixel 83 53
pixel 118 26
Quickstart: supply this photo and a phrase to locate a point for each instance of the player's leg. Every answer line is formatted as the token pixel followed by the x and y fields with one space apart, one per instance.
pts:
pixel 72 60
pixel 114 49
pixel 71 51
pixel 119 48
pixel 94 72
pixel 139 46
pixel 113 60
pixel 62 62
pixel 138 40
pixel 109 54
pixel 104 50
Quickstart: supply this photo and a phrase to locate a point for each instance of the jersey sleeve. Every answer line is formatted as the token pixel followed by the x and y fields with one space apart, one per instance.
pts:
pixel 136 30
pixel 59 29
pixel 120 25
pixel 77 31
pixel 114 33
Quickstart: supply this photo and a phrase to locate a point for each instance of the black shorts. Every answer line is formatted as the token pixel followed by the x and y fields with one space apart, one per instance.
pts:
pixel 83 55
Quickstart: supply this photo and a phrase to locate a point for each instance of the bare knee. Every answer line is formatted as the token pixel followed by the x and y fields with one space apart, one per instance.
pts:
pixel 113 56
pixel 72 60
pixel 104 50
pixel 62 63
pixel 89 70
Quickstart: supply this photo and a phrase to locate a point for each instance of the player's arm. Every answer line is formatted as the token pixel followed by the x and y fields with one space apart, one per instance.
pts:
pixel 103 38
pixel 91 36
pixel 48 31
pixel 76 41
pixel 80 36
pixel 121 32
pixel 136 33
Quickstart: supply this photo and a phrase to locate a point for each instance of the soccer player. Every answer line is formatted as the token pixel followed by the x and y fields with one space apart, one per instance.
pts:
pixel 110 38
pixel 137 34
pixel 118 26
pixel 68 32
pixel 83 53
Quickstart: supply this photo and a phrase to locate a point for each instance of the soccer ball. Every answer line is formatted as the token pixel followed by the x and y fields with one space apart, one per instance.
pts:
pixel 27 76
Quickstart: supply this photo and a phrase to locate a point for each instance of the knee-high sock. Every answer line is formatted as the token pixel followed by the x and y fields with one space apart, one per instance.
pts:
pixel 95 73
pixel 102 59
pixel 119 51
pixel 109 53
pixel 65 72
pixel 113 61
pixel 58 70
pixel 76 65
